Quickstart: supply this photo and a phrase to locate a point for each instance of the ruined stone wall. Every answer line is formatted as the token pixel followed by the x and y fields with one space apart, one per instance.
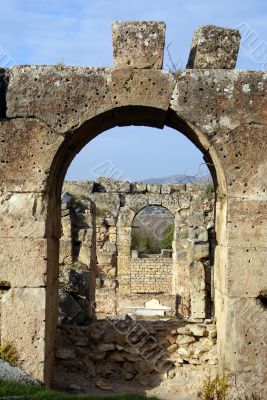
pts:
pixel 161 357
pixel 185 276
pixel 152 274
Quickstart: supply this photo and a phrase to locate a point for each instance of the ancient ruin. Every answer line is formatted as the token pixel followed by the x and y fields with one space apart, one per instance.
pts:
pixel 97 221
pixel 48 114
pixel 100 277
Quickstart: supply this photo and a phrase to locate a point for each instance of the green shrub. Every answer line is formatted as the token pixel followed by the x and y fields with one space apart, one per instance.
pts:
pixel 144 244
pixel 167 237
pixel 209 188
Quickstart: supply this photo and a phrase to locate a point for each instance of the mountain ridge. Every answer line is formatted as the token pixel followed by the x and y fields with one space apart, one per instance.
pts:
pixel 179 178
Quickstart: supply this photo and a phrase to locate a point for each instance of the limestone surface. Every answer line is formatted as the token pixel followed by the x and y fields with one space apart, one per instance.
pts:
pixel 138 44
pixel 214 47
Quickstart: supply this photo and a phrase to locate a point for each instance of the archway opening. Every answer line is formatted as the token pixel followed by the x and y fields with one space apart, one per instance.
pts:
pixel 110 270
pixel 152 231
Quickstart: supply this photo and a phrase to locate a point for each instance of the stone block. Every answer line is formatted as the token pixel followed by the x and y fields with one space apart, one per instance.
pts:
pixel 80 188
pixel 176 201
pixel 63 97
pixel 23 325
pixel 245 170
pixel 184 353
pixel 110 185
pixel 155 198
pixel 85 235
pixel 108 204
pixel 196 219
pixel 105 259
pixel 212 330
pixel 154 188
pixel 214 48
pixel 197 290
pixel 246 223
pixel 197 306
pixel 27 149
pixel 242 341
pixel 166 189
pixel 105 304
pixel 138 44
pixel 198 330
pixel 124 242
pixel 65 251
pixel 85 255
pixel 245 274
pixel 66 228
pixel 75 281
pixel 197 252
pixel 23 262
pixel 197 235
pixel 66 353
pixel 134 254
pixel 135 204
pixel 23 215
pixel 197 276
pixel 150 88
pixel 178 187
pixel 109 247
pixel 138 187
pixel 124 263
pixel 185 340
pixel 109 283
pixel 217 124
pixel 110 221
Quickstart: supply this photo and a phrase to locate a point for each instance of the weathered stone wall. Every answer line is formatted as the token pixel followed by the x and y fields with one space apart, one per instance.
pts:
pixel 152 274
pixel 49 113
pixel 77 261
pixel 170 357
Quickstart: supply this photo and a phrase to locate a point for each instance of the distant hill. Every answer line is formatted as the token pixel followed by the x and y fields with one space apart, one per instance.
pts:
pixel 180 178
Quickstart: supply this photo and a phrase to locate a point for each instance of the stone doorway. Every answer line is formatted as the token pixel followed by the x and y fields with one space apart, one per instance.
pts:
pixel 123 317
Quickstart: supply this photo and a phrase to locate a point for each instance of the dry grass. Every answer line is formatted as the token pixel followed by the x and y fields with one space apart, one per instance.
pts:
pixel 8 353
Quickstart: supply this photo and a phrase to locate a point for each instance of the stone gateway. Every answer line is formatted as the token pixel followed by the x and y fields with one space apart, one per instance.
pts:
pixel 49 113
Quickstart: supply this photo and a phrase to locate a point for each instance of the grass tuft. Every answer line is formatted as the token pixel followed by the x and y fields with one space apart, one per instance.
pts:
pixel 214 388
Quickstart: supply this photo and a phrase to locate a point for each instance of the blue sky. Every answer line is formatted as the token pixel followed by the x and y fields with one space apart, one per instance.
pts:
pixel 78 32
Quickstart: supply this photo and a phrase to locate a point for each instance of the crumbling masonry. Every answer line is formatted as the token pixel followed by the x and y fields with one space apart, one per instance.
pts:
pixel 49 113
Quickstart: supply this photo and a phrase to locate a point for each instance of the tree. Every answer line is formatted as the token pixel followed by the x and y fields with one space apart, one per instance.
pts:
pixel 167 237
pixel 144 244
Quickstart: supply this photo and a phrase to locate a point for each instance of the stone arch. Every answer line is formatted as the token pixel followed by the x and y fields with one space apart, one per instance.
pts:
pixel 168 207
pixel 128 115
pixel 43 128
pixel 56 164
pixel 129 214
pixel 125 234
